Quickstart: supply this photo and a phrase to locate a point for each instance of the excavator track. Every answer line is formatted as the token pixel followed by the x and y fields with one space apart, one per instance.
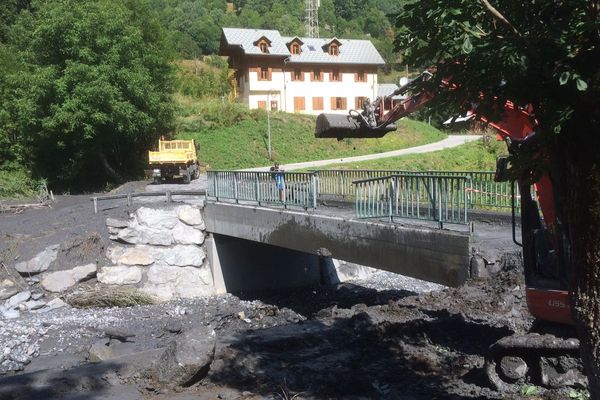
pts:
pixel 542 360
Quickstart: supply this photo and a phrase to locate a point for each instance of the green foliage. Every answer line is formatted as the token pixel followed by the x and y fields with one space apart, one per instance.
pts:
pixel 199 79
pixel 542 53
pixel 474 156
pixel 221 129
pixel 17 183
pixel 530 390
pixel 91 91
pixel 579 394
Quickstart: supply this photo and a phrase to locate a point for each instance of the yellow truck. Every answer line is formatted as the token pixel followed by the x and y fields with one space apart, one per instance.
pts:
pixel 174 159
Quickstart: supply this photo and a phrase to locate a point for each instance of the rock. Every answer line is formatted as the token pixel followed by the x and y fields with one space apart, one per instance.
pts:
pixel 187 359
pixel 184 234
pixel 34 304
pixel 60 281
pixel 40 262
pixel 156 219
pixel 51 305
pixel 106 349
pixel 17 299
pixel 180 255
pixel 190 216
pixel 144 235
pixel 119 275
pixel 136 256
pixel 8 288
pixel 116 223
pixel 167 282
pixel 10 314
pixel 37 296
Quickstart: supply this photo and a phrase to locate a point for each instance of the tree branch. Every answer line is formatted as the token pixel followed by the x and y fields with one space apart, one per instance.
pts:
pixel 499 16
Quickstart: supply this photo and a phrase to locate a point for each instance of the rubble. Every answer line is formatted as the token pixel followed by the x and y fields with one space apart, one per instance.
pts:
pixel 40 263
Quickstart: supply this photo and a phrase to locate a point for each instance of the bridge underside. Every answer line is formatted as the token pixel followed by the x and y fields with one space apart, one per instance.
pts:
pixel 433 255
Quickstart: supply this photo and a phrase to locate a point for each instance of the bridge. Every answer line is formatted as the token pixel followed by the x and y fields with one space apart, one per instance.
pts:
pixel 425 225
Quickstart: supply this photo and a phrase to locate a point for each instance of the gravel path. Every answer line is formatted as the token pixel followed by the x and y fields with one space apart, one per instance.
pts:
pixel 450 141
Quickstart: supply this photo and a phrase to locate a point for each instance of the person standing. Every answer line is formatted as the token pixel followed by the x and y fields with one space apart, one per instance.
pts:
pixel 279 175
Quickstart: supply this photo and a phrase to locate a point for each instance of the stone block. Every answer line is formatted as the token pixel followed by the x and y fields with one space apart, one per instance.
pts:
pixel 119 275
pixel 60 281
pixel 40 262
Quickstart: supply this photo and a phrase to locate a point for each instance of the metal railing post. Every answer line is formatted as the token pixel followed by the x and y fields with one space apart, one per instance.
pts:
pixel 235 187
pixel 314 190
pixel 257 189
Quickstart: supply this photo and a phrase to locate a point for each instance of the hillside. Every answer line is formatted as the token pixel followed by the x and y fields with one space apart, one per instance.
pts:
pixel 231 136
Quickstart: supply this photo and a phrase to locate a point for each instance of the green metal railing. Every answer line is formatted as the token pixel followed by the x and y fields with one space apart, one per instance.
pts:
pixel 435 197
pixel 485 193
pixel 259 187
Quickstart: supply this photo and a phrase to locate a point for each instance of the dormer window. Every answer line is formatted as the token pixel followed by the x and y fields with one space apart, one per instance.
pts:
pixel 264 47
pixel 263 44
pixel 295 46
pixel 332 47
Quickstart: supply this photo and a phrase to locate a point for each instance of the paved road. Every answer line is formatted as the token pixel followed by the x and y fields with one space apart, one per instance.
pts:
pixel 450 141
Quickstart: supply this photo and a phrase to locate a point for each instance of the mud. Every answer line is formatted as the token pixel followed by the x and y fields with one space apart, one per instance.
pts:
pixel 350 341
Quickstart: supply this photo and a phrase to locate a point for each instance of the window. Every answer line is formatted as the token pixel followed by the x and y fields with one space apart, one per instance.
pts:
pixel 262 104
pixel 335 76
pixel 297 74
pixel 338 103
pixel 359 102
pixel 334 50
pixel 317 103
pixel 317 75
pixel 264 47
pixel 264 74
pixel 299 104
pixel 274 105
pixel 360 76
pixel 296 49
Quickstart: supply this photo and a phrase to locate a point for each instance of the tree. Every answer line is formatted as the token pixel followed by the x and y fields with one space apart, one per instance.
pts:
pixel 544 53
pixel 93 93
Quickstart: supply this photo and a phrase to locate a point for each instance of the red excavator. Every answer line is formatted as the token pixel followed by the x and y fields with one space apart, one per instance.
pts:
pixel 549 360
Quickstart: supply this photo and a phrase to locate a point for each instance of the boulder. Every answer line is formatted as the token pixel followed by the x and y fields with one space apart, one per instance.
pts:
pixel 8 288
pixel 39 263
pixel 185 234
pixel 190 216
pixel 187 359
pixel 180 256
pixel 120 275
pixel 116 223
pixel 10 314
pixel 138 255
pixel 51 305
pixel 137 234
pixel 167 282
pixel 156 219
pixel 60 281
pixel 34 304
pixel 17 299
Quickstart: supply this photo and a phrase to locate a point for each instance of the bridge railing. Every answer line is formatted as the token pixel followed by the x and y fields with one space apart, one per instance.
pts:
pixel 434 197
pixel 485 193
pixel 260 187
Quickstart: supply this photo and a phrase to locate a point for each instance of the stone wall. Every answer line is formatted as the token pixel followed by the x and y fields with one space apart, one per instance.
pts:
pixel 160 251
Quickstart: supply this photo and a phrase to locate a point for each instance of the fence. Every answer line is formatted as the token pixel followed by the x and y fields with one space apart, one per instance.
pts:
pixel 300 187
pixel 435 197
pixel 485 193
pixel 130 196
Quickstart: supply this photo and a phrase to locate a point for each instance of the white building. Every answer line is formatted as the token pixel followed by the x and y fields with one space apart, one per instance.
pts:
pixel 307 75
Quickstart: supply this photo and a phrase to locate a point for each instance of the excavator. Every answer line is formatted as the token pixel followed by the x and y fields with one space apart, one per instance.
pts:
pixel 549 355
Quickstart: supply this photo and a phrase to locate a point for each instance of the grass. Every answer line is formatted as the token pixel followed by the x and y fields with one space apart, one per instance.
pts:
pixel 231 136
pixel 110 297
pixel 472 156
pixel 18 184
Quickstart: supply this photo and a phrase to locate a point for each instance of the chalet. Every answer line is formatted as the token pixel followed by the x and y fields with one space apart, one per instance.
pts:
pixel 306 75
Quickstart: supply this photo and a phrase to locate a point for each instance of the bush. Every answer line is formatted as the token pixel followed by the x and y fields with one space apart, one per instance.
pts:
pixel 17 183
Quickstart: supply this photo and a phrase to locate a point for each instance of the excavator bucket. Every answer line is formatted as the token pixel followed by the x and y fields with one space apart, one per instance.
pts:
pixel 341 126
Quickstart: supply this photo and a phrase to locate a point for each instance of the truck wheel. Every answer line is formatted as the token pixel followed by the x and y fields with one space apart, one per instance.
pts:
pixel 196 173
pixel 186 177
pixel 156 180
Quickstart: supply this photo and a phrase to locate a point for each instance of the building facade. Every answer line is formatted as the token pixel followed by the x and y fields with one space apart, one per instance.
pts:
pixel 305 75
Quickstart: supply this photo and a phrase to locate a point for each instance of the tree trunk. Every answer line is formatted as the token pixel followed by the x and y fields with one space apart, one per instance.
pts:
pixel 110 171
pixel 579 190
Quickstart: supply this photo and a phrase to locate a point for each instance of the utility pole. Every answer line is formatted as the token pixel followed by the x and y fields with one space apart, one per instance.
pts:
pixel 312 18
